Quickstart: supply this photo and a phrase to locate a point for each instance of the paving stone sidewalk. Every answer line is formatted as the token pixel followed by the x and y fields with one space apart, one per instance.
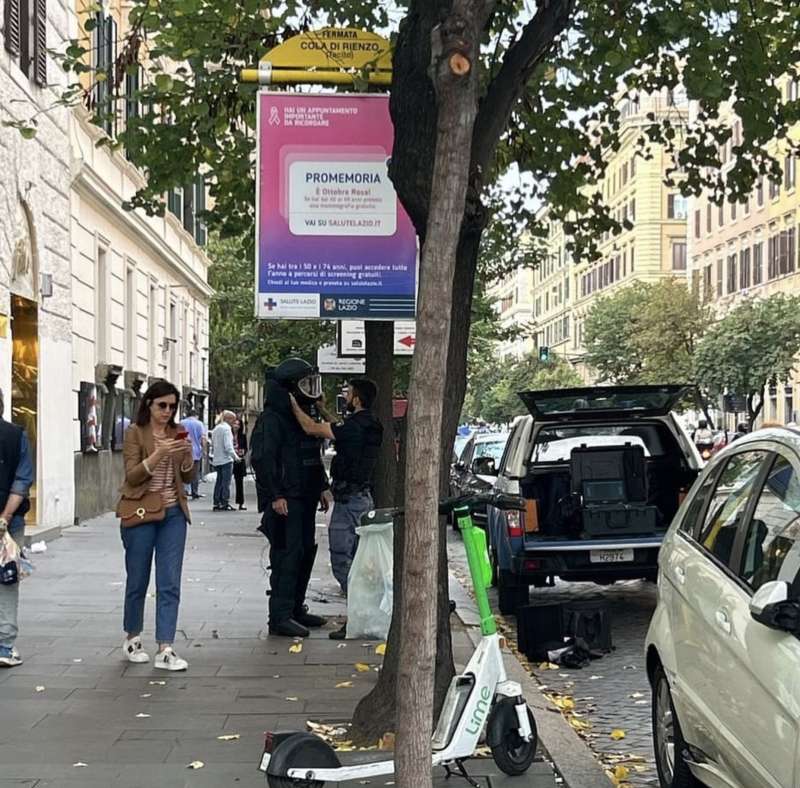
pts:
pixel 75 714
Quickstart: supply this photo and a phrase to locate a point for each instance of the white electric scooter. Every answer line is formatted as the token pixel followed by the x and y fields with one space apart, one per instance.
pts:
pixel 479 699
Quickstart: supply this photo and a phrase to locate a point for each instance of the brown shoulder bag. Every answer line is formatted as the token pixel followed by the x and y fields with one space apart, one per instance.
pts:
pixel 136 511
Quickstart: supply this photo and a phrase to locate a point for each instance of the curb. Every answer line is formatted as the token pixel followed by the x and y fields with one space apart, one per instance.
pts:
pixel 572 758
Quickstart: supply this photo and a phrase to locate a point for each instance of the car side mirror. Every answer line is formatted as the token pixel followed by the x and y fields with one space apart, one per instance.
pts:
pixel 484 466
pixel 772 607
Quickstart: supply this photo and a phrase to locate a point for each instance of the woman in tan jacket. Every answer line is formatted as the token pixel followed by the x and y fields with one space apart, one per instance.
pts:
pixel 158 462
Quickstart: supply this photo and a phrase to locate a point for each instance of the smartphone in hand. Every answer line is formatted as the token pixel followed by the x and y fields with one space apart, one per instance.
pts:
pixel 181 434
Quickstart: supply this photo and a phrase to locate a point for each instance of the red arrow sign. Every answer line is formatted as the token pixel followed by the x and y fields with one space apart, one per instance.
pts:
pixel 408 341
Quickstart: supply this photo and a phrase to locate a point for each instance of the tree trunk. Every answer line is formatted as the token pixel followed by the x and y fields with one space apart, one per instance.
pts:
pixel 380 368
pixel 455 51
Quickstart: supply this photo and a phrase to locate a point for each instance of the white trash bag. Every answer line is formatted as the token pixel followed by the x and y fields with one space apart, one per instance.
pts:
pixel 370 585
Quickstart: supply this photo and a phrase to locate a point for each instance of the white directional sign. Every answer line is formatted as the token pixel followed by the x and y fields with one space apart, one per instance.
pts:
pixel 329 362
pixel 353 343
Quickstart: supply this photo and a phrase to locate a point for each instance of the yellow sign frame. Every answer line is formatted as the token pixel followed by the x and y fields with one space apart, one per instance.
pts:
pixel 332 55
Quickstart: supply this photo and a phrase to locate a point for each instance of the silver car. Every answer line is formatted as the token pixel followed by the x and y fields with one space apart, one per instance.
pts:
pixel 723 653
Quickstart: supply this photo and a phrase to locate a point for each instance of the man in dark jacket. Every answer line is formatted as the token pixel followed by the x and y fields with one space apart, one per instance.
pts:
pixel 16 478
pixel 291 483
pixel 358 442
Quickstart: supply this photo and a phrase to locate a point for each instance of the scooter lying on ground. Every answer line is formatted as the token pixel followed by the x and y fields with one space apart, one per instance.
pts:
pixel 481 698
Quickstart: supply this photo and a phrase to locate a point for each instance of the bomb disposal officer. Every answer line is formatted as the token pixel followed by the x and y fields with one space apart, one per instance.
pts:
pixel 291 483
pixel 358 441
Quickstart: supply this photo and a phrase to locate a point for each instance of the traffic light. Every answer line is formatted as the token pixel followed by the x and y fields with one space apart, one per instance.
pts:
pixel 544 354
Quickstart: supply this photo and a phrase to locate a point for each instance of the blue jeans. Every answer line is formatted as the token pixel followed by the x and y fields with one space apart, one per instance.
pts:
pixel 9 595
pixel 222 488
pixel 342 536
pixel 167 538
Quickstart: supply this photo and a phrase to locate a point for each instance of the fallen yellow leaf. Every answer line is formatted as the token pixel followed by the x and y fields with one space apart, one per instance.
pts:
pixel 617 734
pixel 621 773
pixel 564 703
pixel 229 737
pixel 343 684
pixel 361 667
pixel 380 649
pixel 548 666
pixel 295 648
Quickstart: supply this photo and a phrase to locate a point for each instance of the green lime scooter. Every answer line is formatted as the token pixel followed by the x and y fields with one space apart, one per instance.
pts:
pixel 481 699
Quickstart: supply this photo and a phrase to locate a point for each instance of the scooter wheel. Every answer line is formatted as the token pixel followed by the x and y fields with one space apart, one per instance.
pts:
pixel 512 754
pixel 301 749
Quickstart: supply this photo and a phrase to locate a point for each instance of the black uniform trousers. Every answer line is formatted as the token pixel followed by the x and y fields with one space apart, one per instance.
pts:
pixel 293 547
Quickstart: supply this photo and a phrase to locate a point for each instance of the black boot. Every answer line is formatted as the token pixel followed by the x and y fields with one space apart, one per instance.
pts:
pixel 339 634
pixel 288 628
pixel 302 616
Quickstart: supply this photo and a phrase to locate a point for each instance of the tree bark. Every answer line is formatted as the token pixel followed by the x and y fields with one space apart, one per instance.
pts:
pixel 380 368
pixel 414 113
pixel 455 49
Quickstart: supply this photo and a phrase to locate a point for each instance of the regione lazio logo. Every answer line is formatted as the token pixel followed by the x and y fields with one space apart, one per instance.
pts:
pixel 274 117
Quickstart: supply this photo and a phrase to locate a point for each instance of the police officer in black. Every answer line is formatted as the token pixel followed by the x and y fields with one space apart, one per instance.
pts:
pixel 358 441
pixel 291 484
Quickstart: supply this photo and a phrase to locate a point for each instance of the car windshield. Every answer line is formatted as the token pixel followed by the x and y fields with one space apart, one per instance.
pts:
pixel 493 449
pixel 461 442
pixel 555 444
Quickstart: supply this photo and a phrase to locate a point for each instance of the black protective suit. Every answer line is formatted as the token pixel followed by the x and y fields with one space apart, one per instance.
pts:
pixel 287 464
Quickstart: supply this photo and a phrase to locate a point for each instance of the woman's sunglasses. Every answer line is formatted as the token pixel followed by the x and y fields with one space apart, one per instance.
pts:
pixel 166 405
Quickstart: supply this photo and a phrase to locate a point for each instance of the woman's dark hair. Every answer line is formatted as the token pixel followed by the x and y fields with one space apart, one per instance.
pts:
pixel 157 390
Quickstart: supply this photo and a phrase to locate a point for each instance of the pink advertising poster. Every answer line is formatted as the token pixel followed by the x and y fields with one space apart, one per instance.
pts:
pixel 334 242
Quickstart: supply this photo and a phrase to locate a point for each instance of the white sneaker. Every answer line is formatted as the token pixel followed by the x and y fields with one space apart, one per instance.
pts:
pixel 132 648
pixel 169 660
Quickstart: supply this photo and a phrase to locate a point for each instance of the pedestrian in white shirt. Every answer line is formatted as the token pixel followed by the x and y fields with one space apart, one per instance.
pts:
pixel 224 457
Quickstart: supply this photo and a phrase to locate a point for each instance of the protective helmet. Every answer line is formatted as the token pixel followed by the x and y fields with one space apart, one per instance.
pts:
pixel 300 378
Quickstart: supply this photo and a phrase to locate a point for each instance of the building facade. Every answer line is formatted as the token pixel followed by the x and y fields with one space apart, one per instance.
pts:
pixel 513 298
pixel 652 245
pixel 35 303
pixel 750 249
pixel 139 289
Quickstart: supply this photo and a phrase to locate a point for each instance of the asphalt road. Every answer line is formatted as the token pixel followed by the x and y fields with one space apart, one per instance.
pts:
pixel 612 693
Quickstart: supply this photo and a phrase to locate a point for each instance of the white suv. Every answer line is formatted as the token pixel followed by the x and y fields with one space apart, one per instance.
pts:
pixel 723 653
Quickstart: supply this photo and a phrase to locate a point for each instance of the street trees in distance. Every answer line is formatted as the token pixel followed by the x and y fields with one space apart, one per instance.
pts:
pixel 240 345
pixel 751 348
pixel 493 389
pixel 646 333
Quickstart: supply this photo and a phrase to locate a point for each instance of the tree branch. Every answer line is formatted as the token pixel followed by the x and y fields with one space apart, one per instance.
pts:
pixel 507 85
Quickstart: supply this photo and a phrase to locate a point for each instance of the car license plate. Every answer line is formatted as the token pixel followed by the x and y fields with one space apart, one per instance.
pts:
pixel 610 556
pixel 262 766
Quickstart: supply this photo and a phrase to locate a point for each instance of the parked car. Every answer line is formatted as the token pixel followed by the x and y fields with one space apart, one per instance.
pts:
pixel 475 470
pixel 603 471
pixel 723 653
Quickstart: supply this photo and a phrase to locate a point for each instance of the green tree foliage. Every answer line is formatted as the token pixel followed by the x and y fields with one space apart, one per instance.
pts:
pixel 551 81
pixel 646 333
pixel 754 346
pixel 241 346
pixel 493 389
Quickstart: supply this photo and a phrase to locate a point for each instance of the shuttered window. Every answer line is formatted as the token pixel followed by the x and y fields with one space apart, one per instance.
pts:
pixel 40 42
pixel 105 55
pixel 11 26
pixel 25 36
